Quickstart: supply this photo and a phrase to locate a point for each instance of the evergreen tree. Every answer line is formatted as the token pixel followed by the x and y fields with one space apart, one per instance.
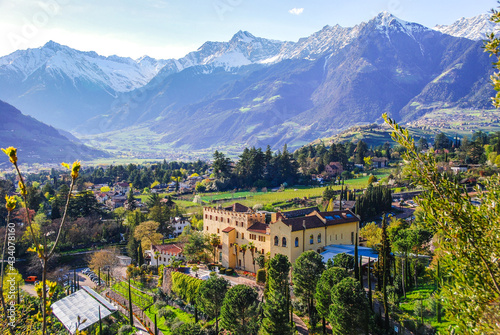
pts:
pixel 276 306
pixel 276 320
pixel 329 278
pixel 349 311
pixel 306 272
pixel 211 297
pixel 239 310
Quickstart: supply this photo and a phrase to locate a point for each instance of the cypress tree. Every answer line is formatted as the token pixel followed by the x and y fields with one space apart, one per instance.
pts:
pixel 140 256
pixel 385 254
pixel 361 271
pixel 130 312
pixel 370 283
pixel 356 265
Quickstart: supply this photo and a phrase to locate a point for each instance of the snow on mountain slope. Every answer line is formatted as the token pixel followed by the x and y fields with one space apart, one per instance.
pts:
pixel 243 49
pixel 473 28
pixel 119 73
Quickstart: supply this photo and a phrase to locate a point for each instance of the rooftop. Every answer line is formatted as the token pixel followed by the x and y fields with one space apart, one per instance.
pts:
pixel 83 305
pixel 172 249
pixel 237 207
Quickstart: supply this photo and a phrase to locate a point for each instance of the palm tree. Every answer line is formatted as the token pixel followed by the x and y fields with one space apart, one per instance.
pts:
pixel 214 242
pixel 252 248
pixel 243 249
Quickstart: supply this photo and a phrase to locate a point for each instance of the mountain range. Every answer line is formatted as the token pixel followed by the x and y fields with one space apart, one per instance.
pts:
pixel 256 91
pixel 38 143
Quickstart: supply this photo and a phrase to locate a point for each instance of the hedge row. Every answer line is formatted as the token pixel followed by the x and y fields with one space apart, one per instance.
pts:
pixel 185 286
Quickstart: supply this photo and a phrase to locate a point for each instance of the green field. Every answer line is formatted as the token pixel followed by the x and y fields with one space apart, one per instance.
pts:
pixel 421 296
pixel 263 198
pixel 181 315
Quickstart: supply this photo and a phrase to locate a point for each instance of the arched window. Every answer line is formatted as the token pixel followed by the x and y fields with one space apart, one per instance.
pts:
pixel 283 242
pixel 276 240
pixel 311 239
pixel 296 242
pixel 319 238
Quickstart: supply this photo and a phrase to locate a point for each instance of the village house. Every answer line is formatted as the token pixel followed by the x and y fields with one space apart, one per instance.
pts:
pixel 122 188
pixel 165 253
pixel 334 169
pixel 290 234
pixel 380 162
pixel 178 224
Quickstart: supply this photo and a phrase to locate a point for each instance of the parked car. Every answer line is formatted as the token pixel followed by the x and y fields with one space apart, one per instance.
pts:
pixel 31 279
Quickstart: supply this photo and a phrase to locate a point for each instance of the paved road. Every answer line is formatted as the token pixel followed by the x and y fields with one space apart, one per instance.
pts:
pixel 82 279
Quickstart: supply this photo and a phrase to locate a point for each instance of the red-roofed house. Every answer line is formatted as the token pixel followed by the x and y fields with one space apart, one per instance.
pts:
pixel 165 253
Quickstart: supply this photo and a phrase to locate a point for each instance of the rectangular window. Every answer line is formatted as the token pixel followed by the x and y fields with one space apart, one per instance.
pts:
pixel 220 256
pixel 262 238
pixel 352 237
pixel 242 235
pixel 335 237
pixel 237 235
pixel 218 231
pixel 207 227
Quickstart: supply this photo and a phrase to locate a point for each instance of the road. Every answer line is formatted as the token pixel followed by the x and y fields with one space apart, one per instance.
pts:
pixel 82 279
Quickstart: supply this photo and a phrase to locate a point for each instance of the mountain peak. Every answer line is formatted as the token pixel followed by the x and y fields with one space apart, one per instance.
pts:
pixel 53 45
pixel 473 28
pixel 385 21
pixel 243 36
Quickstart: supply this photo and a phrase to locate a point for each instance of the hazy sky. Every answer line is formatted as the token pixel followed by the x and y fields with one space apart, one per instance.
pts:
pixel 172 28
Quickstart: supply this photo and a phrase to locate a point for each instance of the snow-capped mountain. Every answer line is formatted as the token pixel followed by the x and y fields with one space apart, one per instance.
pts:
pixel 473 28
pixel 386 23
pixel 252 90
pixel 243 49
pixel 118 73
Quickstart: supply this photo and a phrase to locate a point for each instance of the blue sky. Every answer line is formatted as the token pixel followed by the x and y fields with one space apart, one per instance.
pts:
pixel 172 28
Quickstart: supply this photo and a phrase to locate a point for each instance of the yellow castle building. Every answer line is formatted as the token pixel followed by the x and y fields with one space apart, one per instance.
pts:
pixel 245 234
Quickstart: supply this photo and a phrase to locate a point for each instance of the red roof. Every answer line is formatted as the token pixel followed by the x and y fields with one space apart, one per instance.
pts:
pixel 228 229
pixel 172 249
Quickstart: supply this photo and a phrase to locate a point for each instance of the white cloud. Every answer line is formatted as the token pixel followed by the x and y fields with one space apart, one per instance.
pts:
pixel 296 11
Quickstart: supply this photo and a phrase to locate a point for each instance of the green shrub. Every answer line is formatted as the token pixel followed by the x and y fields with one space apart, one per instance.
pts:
pixel 105 331
pixel 160 304
pixel 222 270
pixel 125 330
pixel 261 276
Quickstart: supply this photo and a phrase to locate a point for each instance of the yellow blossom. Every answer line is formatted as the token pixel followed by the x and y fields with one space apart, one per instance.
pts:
pixel 10 203
pixel 12 153
pixel 75 168
pixel 22 188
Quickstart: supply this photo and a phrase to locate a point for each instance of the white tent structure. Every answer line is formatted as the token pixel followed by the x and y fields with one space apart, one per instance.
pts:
pixel 80 310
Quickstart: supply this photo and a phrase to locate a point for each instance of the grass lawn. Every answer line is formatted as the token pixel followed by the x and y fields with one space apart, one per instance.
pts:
pixel 181 315
pixel 422 295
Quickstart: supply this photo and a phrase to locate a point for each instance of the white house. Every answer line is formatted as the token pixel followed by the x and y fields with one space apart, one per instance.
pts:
pixel 178 224
pixel 165 253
